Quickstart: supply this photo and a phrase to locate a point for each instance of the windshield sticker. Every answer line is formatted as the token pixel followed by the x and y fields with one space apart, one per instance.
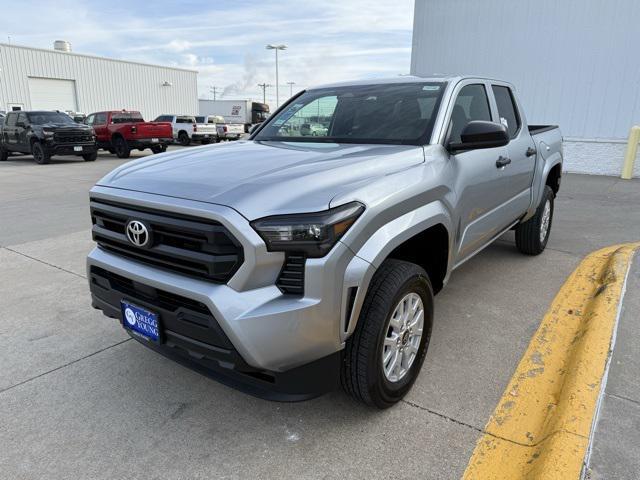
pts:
pixel 431 88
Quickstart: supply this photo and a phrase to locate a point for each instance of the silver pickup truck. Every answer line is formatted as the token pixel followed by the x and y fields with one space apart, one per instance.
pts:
pixel 289 264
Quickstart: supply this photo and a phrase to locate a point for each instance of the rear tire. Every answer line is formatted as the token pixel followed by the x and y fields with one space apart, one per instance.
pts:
pixel 90 157
pixel 366 373
pixel 40 155
pixel 4 154
pixel 159 149
pixel 532 236
pixel 183 139
pixel 121 147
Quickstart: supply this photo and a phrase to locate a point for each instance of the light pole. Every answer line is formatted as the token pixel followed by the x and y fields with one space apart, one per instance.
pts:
pixel 291 84
pixel 276 48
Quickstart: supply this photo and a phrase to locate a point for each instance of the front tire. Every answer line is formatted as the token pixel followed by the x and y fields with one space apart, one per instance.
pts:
pixel 394 326
pixel 90 157
pixel 4 154
pixel 159 149
pixel 40 155
pixel 532 236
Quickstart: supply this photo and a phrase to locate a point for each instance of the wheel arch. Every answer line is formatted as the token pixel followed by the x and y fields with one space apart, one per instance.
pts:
pixel 553 178
pixel 422 236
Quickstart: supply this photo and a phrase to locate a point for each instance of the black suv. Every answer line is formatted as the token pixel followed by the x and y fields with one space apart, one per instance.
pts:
pixel 44 134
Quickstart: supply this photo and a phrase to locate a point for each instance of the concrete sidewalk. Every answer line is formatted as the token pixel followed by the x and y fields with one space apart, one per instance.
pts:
pixel 616 440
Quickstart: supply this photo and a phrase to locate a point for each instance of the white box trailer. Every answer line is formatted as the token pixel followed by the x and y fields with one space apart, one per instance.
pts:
pixel 246 112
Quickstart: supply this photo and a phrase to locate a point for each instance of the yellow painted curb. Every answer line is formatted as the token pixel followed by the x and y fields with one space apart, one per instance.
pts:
pixel 541 426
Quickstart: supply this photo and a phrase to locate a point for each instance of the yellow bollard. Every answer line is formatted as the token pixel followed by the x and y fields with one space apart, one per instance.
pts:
pixel 630 156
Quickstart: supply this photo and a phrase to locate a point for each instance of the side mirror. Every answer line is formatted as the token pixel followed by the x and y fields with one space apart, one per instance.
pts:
pixel 481 134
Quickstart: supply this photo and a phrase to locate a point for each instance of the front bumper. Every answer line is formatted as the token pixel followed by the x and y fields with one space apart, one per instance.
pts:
pixel 57 149
pixel 284 339
pixel 182 319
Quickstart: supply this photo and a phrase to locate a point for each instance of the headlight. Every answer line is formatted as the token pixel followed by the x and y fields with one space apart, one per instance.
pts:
pixel 47 133
pixel 311 233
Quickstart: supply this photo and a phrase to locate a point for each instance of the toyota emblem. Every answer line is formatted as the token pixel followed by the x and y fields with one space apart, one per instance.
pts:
pixel 138 233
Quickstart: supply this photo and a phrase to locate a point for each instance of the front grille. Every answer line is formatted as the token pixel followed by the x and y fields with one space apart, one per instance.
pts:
pixel 188 245
pixel 72 137
pixel 291 278
pixel 178 315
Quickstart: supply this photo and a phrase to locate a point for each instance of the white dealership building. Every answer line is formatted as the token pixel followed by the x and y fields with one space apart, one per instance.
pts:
pixel 58 79
pixel 573 63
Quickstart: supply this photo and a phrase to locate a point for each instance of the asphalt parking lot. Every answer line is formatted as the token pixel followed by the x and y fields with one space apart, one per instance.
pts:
pixel 79 399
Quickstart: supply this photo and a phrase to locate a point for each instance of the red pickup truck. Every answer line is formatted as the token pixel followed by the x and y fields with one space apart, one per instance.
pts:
pixel 121 131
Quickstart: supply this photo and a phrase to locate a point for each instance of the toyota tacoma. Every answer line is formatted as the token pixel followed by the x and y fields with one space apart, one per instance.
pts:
pixel 288 264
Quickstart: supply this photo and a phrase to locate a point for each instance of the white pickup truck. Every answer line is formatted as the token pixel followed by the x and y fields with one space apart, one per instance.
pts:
pixel 224 130
pixel 187 129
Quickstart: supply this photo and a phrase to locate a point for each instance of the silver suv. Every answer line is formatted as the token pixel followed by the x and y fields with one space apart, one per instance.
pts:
pixel 287 264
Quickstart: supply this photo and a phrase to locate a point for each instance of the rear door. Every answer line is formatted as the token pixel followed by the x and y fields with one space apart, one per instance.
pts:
pixel 521 147
pixel 22 125
pixel 481 187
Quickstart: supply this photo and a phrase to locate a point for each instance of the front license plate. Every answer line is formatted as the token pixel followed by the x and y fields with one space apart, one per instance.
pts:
pixel 77 149
pixel 140 321
pixel 155 140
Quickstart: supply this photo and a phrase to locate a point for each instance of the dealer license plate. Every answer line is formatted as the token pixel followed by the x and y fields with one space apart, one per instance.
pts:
pixel 140 321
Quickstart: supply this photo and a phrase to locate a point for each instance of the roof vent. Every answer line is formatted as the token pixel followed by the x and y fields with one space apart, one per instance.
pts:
pixel 62 46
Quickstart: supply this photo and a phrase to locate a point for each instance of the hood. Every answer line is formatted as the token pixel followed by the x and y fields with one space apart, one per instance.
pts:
pixel 263 178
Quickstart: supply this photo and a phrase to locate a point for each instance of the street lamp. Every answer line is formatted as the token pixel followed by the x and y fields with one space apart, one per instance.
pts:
pixel 276 48
pixel 291 84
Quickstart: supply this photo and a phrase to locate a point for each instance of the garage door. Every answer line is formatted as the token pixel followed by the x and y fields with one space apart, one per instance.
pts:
pixel 52 94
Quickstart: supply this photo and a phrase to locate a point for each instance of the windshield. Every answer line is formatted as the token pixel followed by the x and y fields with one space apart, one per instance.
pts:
pixel 401 113
pixel 126 117
pixel 42 118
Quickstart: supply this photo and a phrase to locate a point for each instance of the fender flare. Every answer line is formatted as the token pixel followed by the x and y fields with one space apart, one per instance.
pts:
pixel 539 184
pixel 377 248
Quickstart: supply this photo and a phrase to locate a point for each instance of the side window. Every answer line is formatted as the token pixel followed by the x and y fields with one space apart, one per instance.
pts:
pixel 507 109
pixel 11 119
pixel 22 118
pixel 101 119
pixel 89 119
pixel 472 103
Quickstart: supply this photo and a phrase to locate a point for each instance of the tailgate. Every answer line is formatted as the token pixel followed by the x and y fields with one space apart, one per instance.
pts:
pixel 235 128
pixel 154 130
pixel 206 129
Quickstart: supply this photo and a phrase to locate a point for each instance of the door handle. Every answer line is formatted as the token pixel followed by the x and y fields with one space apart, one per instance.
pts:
pixel 502 162
pixel 531 152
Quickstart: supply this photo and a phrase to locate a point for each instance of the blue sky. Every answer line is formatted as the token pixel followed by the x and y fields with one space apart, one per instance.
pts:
pixel 328 40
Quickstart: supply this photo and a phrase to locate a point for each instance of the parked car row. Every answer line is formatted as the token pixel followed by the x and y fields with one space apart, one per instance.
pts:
pixel 203 129
pixel 44 134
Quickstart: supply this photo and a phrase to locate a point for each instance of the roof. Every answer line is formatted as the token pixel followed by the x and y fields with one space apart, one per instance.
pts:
pixel 405 79
pixel 58 52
